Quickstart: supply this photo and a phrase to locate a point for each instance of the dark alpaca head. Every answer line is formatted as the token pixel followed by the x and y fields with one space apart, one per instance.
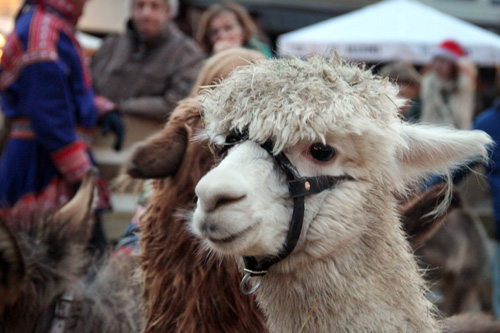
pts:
pixel 42 256
pixel 418 216
pixel 159 156
pixel 451 247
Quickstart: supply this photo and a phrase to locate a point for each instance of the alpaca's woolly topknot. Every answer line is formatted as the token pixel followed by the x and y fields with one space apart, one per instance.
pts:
pixel 290 100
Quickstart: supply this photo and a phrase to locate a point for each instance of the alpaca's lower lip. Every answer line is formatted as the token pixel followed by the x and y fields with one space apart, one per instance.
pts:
pixel 232 237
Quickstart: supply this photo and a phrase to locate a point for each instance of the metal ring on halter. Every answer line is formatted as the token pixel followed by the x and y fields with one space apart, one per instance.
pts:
pixel 254 288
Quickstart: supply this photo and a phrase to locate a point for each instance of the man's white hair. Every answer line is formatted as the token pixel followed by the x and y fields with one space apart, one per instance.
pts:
pixel 174 7
pixel 173 4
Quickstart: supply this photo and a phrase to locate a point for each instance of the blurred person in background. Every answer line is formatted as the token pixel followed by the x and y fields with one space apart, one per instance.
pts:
pixel 2 122
pixel 408 80
pixel 213 71
pixel 489 122
pixel 448 87
pixel 224 26
pixel 48 100
pixel 143 73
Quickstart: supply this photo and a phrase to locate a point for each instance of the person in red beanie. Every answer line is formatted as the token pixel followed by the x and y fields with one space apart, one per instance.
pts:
pixel 448 88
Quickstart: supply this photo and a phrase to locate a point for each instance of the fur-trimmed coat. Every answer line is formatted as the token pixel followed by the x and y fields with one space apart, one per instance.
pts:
pixel 449 103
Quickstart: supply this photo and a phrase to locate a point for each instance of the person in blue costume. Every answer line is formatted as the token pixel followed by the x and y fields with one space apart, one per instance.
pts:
pixel 48 99
pixel 489 121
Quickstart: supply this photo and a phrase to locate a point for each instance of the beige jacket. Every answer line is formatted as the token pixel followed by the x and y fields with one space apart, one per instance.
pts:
pixel 449 103
pixel 146 79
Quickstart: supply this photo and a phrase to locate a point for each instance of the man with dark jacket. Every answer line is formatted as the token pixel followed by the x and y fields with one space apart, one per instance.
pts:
pixel 143 73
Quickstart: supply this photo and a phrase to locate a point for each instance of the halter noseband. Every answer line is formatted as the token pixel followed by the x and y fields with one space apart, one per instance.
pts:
pixel 298 188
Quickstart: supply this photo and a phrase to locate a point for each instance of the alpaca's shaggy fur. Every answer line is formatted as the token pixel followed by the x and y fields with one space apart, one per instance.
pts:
pixel 320 102
pixel 51 248
pixel 185 290
pixel 352 270
pixel 109 298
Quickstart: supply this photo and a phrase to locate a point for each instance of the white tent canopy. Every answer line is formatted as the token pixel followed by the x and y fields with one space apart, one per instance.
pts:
pixel 392 30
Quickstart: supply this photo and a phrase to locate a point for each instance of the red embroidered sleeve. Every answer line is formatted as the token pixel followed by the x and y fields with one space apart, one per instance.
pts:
pixel 72 161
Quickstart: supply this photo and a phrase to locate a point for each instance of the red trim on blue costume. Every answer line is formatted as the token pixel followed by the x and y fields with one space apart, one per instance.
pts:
pixel 72 161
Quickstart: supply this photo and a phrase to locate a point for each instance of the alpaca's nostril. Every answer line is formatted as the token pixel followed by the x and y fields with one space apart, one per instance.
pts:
pixel 212 228
pixel 226 200
pixel 209 228
pixel 217 189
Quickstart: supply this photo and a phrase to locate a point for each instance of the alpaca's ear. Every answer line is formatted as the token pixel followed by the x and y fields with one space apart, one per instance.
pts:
pixel 159 156
pixel 431 149
pixel 12 267
pixel 418 216
pixel 76 216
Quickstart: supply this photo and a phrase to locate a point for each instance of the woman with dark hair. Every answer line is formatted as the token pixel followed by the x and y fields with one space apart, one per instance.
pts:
pixel 224 26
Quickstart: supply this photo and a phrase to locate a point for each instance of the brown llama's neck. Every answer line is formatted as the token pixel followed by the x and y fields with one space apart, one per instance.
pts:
pixel 181 282
pixel 371 286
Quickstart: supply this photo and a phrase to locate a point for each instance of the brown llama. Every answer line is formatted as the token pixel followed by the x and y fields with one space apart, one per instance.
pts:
pixel 46 284
pixel 186 290
pixel 451 248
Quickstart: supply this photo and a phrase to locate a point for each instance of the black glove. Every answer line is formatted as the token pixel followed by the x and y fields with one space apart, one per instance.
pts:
pixel 112 122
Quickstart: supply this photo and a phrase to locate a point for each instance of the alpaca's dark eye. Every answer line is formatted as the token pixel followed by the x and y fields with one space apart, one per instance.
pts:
pixel 322 152
pixel 233 138
pixel 236 136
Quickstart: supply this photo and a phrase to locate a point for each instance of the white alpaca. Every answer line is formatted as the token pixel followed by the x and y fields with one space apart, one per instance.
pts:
pixel 352 269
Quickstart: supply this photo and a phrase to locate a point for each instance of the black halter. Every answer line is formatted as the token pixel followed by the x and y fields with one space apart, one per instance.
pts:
pixel 298 188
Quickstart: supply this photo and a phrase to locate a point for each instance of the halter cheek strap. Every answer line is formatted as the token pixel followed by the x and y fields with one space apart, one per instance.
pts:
pixel 298 188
